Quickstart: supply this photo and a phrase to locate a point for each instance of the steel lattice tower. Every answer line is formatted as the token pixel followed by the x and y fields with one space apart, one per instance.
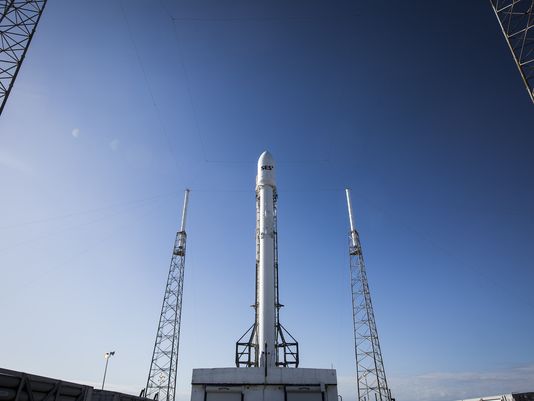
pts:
pixel 516 18
pixel 161 383
pixel 18 22
pixel 371 376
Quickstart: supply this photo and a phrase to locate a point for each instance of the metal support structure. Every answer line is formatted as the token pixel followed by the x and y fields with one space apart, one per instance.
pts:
pixel 287 348
pixel 18 22
pixel 19 386
pixel 516 18
pixel 161 383
pixel 371 376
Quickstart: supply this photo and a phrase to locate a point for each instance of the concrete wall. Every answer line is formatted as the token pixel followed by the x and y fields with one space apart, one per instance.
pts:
pixel 258 384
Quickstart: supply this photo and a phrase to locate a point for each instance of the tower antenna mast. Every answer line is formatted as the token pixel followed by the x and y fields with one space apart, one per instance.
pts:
pixel 371 376
pixel 161 383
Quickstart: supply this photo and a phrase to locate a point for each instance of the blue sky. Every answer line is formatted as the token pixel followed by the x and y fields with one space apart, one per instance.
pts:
pixel 418 108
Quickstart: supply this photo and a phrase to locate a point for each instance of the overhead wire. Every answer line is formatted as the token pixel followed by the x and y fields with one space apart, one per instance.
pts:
pixel 194 108
pixel 149 88
pixel 185 71
pixel 197 124
pixel 295 161
pixel 188 81
pixel 446 251
pixel 77 226
pixel 310 18
pixel 129 202
pixel 87 211
pixel 103 239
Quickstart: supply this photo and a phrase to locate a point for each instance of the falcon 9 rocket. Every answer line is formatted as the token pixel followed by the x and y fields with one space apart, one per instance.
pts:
pixel 269 344
pixel 266 237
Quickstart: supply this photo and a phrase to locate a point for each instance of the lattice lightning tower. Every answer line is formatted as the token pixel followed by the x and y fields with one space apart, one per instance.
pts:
pixel 161 383
pixel 18 22
pixel 516 18
pixel 371 376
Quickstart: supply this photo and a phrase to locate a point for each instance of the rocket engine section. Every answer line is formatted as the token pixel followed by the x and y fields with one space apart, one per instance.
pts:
pixel 266 343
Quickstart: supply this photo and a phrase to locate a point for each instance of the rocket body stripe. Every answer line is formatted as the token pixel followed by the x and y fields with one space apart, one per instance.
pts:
pixel 265 298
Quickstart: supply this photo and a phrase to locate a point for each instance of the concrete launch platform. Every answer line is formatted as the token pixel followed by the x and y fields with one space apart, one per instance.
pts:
pixel 259 384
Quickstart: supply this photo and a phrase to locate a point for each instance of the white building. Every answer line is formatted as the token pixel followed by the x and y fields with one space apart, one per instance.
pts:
pixel 261 384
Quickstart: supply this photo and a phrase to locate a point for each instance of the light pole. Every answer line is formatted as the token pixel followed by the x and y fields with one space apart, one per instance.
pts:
pixel 107 355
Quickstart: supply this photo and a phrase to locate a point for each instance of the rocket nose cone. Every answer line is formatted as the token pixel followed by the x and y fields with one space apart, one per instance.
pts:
pixel 266 159
pixel 265 170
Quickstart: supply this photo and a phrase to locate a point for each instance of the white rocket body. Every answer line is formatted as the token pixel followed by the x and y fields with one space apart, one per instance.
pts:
pixel 265 297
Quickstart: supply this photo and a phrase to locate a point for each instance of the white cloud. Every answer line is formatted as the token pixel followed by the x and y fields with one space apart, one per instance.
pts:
pixel 11 162
pixel 114 144
pixel 448 386
pixel 76 132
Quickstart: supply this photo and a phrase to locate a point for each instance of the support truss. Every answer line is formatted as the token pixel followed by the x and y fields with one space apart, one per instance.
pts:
pixel 18 22
pixel 370 372
pixel 161 383
pixel 516 18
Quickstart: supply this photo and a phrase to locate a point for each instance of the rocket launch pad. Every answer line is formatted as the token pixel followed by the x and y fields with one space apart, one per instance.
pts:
pixel 267 356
